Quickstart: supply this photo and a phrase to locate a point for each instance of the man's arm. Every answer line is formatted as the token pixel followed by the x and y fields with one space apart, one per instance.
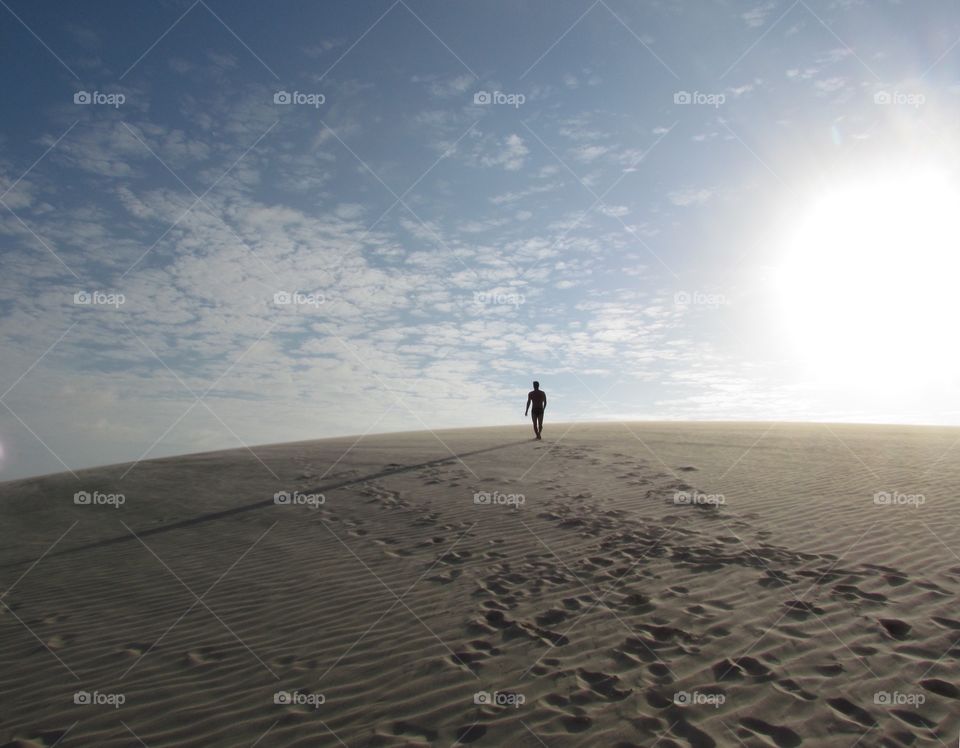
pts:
pixel 527 411
pixel 544 400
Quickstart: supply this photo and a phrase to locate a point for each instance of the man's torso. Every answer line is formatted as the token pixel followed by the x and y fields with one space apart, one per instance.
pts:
pixel 537 398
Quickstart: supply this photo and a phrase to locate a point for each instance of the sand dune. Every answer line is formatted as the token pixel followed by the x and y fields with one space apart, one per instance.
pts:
pixel 614 585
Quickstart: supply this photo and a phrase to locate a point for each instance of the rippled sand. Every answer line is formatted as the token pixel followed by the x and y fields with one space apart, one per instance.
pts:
pixel 613 585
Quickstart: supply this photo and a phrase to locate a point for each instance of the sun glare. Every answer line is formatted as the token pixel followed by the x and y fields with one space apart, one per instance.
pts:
pixel 868 282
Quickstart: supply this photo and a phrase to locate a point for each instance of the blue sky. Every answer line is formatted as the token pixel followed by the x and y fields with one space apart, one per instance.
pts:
pixel 455 198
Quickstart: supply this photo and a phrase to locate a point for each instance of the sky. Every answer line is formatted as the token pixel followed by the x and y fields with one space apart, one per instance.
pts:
pixel 225 224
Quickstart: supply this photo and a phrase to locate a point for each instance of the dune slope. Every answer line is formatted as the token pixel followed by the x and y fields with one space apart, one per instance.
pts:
pixel 615 585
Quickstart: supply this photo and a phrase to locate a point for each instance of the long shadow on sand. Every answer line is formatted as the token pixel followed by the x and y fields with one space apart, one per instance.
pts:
pixel 211 516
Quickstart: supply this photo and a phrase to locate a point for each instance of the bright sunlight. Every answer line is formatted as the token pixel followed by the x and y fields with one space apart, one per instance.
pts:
pixel 869 277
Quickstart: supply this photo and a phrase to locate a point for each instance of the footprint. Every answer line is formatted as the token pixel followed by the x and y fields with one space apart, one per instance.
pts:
pixel 695 737
pixel 399 553
pixel 603 684
pixel 852 712
pixel 577 723
pixel 630 660
pixel 408 729
pixel 203 656
pixel 636 602
pixel 715 632
pixel 913 719
pixel 894 580
pixel 485 646
pixel 784 737
pixel 39 740
pixel 551 638
pixel 494 555
pixel 933 587
pixel 947 623
pixel 470 733
pixel 454 557
pixel 660 671
pixel 790 686
pixel 551 617
pixel 600 561
pixel 739 667
pixel 800 610
pixel 774 578
pixel 850 592
pixel 557 700
pixel 941 688
pixel 445 578
pixel 497 619
pixel 467 660
pixel 899 630
pixel 494 605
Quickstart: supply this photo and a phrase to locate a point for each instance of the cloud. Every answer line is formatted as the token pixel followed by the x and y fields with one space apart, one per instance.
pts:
pixel 512 197
pixel 446 88
pixel 510 155
pixel 831 85
pixel 689 196
pixel 757 16
pixel 738 91
pixel 588 153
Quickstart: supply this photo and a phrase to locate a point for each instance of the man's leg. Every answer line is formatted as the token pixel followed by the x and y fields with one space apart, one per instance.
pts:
pixel 540 423
pixel 533 417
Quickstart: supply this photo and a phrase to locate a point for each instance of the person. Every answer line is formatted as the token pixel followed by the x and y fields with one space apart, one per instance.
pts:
pixel 537 398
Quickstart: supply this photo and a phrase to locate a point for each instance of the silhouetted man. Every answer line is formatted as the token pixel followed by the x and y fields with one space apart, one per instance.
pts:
pixel 537 398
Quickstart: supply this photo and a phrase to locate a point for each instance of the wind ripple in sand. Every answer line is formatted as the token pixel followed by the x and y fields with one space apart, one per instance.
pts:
pixel 620 617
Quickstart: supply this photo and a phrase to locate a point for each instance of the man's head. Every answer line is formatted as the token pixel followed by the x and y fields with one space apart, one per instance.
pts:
pixel 536 385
